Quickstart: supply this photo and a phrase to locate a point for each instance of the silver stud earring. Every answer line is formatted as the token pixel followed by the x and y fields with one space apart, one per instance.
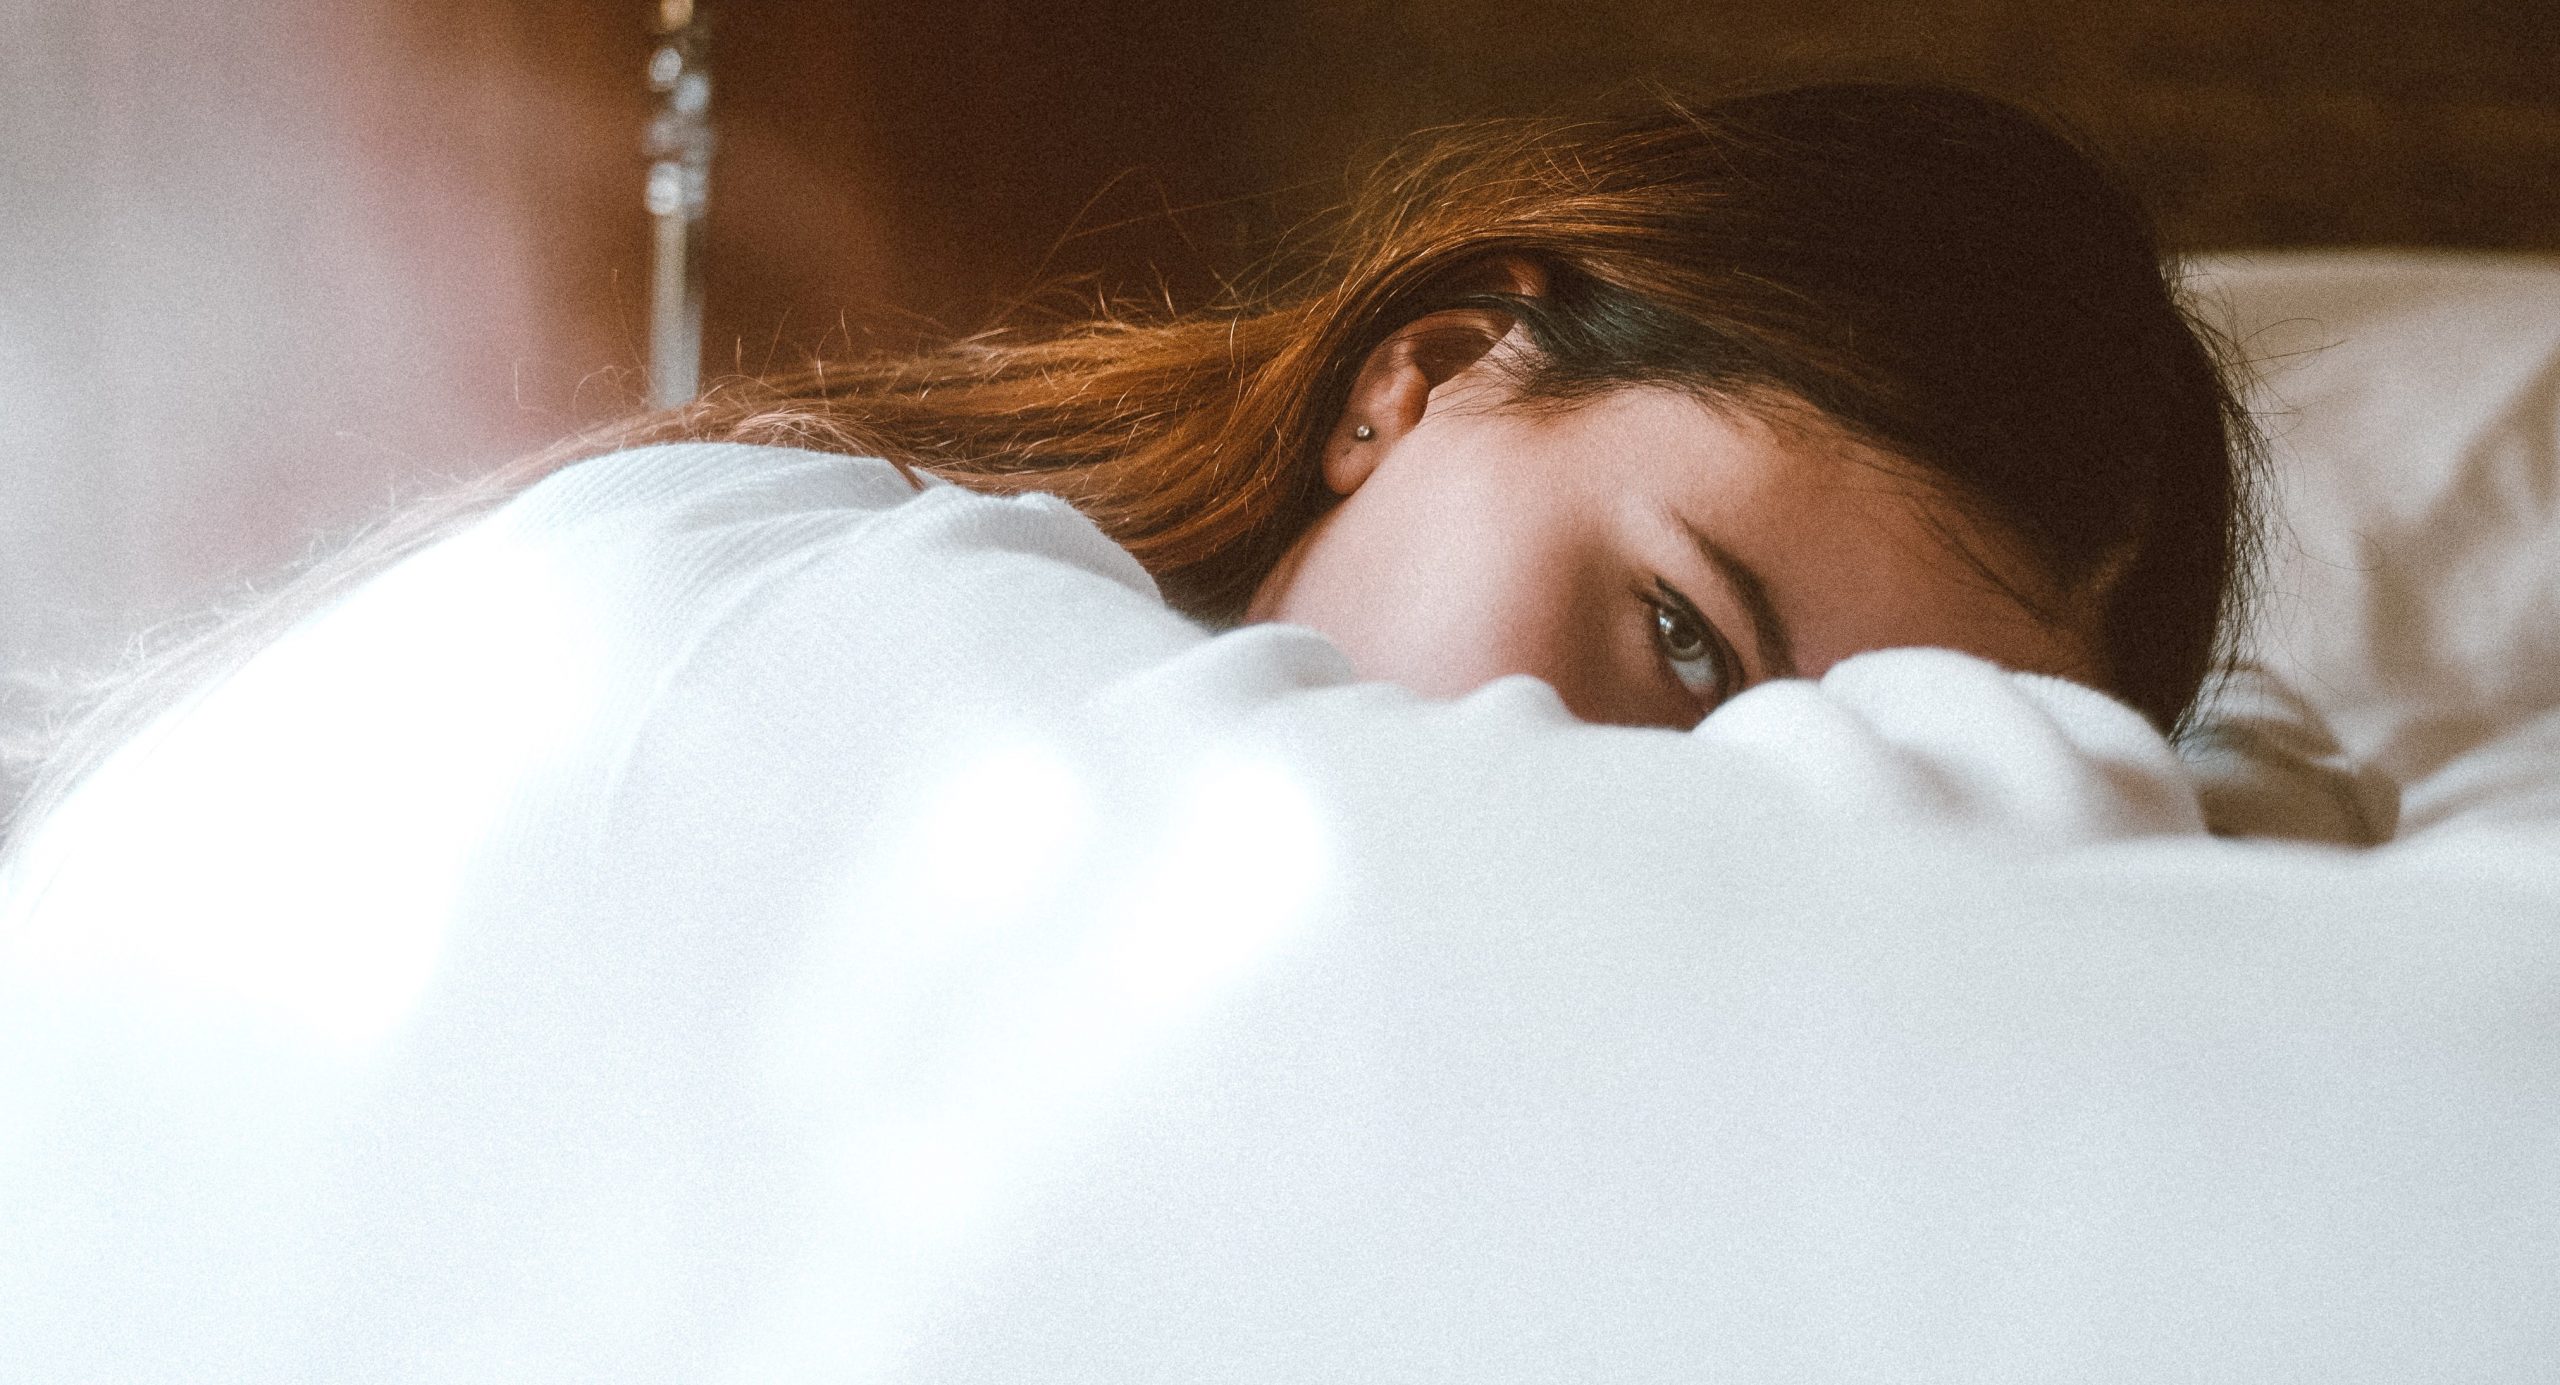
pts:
pixel 1363 433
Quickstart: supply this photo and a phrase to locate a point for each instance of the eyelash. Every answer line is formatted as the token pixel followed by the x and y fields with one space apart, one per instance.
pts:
pixel 1664 601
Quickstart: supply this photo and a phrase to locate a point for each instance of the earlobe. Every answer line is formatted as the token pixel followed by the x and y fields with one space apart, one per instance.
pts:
pixel 1351 456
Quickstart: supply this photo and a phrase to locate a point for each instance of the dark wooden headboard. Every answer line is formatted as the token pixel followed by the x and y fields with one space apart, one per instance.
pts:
pixel 2271 122
pixel 1003 143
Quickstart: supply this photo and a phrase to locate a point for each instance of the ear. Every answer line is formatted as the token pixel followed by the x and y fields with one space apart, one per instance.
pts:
pixel 1394 388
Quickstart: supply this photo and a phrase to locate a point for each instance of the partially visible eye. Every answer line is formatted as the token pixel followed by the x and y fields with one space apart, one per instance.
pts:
pixel 1696 654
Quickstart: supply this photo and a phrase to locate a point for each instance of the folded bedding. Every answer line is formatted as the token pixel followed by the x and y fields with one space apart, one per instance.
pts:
pixel 733 916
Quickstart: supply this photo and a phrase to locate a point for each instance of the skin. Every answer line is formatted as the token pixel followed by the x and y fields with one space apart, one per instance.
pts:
pixel 1475 539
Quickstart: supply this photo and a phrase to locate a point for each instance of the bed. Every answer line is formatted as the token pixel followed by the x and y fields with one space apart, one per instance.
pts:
pixel 1236 1022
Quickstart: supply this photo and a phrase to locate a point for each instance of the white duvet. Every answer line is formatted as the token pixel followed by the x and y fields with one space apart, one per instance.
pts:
pixel 781 934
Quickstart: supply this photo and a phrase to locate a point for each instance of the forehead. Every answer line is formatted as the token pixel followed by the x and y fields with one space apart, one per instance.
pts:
pixel 1858 549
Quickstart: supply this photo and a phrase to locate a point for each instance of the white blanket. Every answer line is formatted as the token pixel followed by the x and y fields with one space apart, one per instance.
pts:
pixel 753 930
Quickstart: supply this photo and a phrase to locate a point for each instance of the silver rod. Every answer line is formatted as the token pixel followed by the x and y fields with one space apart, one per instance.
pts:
pixel 675 314
pixel 679 147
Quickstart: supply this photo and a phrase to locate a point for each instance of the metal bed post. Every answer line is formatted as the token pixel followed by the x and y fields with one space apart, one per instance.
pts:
pixel 679 149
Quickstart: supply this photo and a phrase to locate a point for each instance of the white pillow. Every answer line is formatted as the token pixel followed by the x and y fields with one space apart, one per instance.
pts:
pixel 2411 599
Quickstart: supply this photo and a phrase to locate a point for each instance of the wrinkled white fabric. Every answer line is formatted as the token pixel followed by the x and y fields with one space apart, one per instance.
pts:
pixel 2411 402
pixel 730 918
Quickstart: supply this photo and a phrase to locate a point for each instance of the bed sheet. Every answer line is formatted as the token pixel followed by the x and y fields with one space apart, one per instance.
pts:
pixel 1153 1006
pixel 2412 403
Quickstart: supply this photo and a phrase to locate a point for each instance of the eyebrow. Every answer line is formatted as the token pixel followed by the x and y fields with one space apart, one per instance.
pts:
pixel 1777 653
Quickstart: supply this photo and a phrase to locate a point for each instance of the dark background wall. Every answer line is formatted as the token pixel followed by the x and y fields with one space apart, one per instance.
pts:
pixel 994 146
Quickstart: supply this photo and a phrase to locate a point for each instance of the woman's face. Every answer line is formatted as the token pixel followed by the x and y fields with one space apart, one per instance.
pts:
pixel 1643 553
